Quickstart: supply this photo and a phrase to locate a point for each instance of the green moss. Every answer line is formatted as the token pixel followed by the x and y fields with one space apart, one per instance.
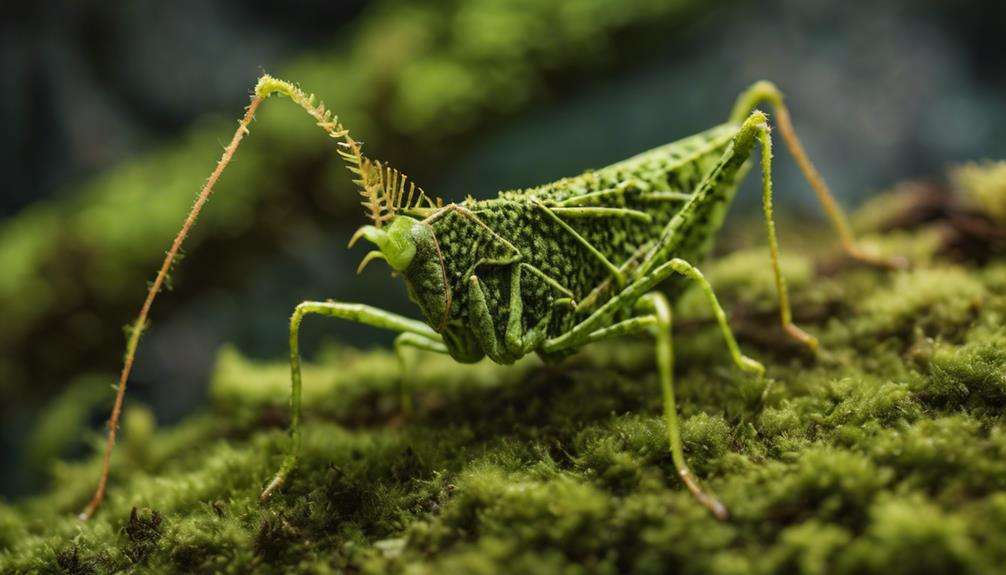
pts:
pixel 974 372
pixel 886 453
pixel 811 547
pixel 922 298
pixel 983 187
pixel 910 535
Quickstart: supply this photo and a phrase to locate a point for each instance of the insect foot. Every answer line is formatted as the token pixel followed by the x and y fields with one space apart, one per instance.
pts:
pixel 802 337
pixel 714 505
pixel 274 485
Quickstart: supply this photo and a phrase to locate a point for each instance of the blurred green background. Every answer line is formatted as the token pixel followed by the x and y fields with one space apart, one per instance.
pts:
pixel 116 112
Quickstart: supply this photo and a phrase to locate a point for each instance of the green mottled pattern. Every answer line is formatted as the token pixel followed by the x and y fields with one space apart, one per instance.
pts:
pixel 519 218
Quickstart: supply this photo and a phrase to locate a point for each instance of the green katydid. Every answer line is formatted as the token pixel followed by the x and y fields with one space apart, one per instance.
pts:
pixel 546 270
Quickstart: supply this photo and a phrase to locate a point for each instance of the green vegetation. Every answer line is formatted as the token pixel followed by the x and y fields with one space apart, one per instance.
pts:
pixel 887 453
pixel 984 187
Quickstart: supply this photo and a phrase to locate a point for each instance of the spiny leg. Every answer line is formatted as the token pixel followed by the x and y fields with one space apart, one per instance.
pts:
pixel 419 342
pixel 768 92
pixel 359 313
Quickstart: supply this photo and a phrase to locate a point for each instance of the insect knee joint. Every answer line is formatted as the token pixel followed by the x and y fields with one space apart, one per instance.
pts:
pixel 757 120
pixel 682 267
pixel 299 312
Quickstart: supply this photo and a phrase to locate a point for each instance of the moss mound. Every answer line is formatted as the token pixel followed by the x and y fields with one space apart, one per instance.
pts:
pixel 886 453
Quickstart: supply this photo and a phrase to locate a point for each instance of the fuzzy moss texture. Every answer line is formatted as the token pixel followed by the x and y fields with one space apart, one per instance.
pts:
pixel 886 453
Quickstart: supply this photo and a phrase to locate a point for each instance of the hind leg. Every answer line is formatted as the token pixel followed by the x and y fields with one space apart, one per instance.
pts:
pixel 682 229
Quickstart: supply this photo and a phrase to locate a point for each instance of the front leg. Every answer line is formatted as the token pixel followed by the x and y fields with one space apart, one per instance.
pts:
pixel 359 313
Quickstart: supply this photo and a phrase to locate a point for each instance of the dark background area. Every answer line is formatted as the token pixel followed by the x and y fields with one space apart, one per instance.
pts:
pixel 880 93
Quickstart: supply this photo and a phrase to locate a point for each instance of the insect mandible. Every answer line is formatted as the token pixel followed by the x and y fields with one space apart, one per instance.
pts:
pixel 548 269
